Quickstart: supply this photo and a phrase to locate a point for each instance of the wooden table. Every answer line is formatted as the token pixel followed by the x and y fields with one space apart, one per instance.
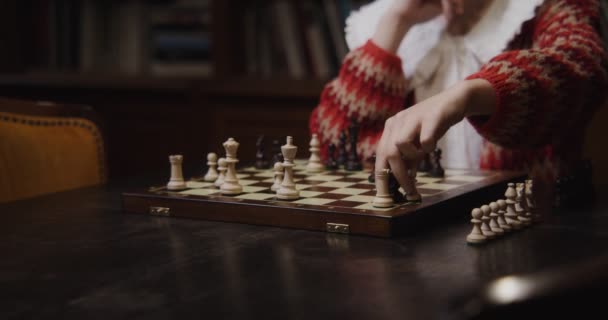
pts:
pixel 76 255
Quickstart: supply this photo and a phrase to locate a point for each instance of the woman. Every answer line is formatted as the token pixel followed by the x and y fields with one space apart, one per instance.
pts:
pixel 526 75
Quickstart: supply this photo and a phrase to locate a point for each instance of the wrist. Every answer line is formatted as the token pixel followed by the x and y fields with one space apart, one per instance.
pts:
pixel 481 97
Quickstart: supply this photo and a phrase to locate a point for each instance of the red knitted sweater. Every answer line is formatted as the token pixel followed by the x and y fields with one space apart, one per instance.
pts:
pixel 548 84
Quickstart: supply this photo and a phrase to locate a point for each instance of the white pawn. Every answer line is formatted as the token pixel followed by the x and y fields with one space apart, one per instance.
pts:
pixel 211 174
pixel 502 223
pixel 487 211
pixel 525 202
pixel 176 182
pixel 278 176
pixel 485 224
pixel 231 184
pixel 222 169
pixel 287 190
pixel 509 204
pixel 519 205
pixel 476 236
pixel 314 162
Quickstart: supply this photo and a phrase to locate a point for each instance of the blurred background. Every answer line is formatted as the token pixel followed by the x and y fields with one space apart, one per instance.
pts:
pixel 177 76
pixel 181 76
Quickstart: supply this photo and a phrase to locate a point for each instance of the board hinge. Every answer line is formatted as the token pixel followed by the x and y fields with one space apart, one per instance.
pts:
pixel 160 211
pixel 337 228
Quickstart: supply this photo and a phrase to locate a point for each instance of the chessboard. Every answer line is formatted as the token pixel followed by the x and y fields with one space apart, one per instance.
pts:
pixel 333 201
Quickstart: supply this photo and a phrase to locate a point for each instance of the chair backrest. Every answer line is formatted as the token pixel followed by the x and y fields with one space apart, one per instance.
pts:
pixel 47 147
pixel 596 147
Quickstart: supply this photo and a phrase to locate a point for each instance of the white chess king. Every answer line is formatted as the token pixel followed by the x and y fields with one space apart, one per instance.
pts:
pixel 288 190
pixel 231 184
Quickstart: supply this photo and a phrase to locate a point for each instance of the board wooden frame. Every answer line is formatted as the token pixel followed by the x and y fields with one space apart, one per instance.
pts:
pixel 434 210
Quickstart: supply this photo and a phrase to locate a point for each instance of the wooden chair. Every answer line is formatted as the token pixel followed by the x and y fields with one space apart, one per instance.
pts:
pixel 47 147
pixel 595 147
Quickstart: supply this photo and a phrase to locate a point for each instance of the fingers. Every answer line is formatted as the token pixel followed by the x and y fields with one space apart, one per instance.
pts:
pixel 447 9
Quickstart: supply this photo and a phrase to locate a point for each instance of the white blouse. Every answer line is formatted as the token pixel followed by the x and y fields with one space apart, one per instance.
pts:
pixel 434 60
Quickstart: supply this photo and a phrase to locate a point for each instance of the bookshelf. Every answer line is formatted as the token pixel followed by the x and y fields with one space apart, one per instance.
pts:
pixel 251 67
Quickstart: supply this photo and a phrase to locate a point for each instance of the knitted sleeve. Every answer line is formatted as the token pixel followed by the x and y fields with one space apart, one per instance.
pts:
pixel 546 94
pixel 370 88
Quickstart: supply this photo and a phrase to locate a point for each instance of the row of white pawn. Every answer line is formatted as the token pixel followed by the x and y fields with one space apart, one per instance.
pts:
pixel 504 216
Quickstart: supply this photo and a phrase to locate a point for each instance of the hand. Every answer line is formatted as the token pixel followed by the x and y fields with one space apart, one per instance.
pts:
pixel 403 14
pixel 415 131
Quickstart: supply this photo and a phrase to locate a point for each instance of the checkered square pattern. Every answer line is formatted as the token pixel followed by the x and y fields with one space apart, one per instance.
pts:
pixel 330 189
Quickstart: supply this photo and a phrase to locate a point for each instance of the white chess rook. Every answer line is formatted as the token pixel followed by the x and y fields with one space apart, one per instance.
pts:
pixel 176 182
pixel 383 198
pixel 222 175
pixel 211 174
pixel 476 236
pixel 288 190
pixel 231 184
pixel 314 162
pixel 278 176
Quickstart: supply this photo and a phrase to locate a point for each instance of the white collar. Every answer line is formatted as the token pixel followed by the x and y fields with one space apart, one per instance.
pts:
pixel 489 37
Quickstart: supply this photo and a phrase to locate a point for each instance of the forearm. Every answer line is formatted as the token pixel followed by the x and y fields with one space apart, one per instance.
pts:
pixel 392 31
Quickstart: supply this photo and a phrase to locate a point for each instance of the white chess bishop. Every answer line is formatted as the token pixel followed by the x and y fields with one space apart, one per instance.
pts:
pixel 287 190
pixel 176 182
pixel 231 184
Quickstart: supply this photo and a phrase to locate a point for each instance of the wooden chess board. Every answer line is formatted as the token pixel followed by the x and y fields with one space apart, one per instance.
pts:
pixel 333 201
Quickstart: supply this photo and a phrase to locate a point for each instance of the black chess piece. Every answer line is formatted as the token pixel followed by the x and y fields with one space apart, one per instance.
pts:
pixel 393 189
pixel 353 163
pixel 436 170
pixel 342 149
pixel 261 162
pixel 277 155
pixel 372 176
pixel 425 163
pixel 331 163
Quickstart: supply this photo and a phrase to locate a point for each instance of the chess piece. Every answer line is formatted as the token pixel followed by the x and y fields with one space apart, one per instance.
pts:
pixel 222 172
pixel 519 205
pixel 476 236
pixel 531 203
pixel 494 226
pixel 278 176
pixel 211 174
pixel 176 182
pixel 231 184
pixel 425 163
pixel 314 162
pixel 524 202
pixel 260 157
pixel 342 149
pixel 371 178
pixel 353 163
pixel 485 225
pixel 393 189
pixel 436 170
pixel 276 151
pixel 287 190
pixel 500 219
pixel 509 204
pixel 383 198
pixel 332 163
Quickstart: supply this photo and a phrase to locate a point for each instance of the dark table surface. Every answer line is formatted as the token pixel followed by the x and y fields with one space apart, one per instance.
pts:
pixel 76 255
